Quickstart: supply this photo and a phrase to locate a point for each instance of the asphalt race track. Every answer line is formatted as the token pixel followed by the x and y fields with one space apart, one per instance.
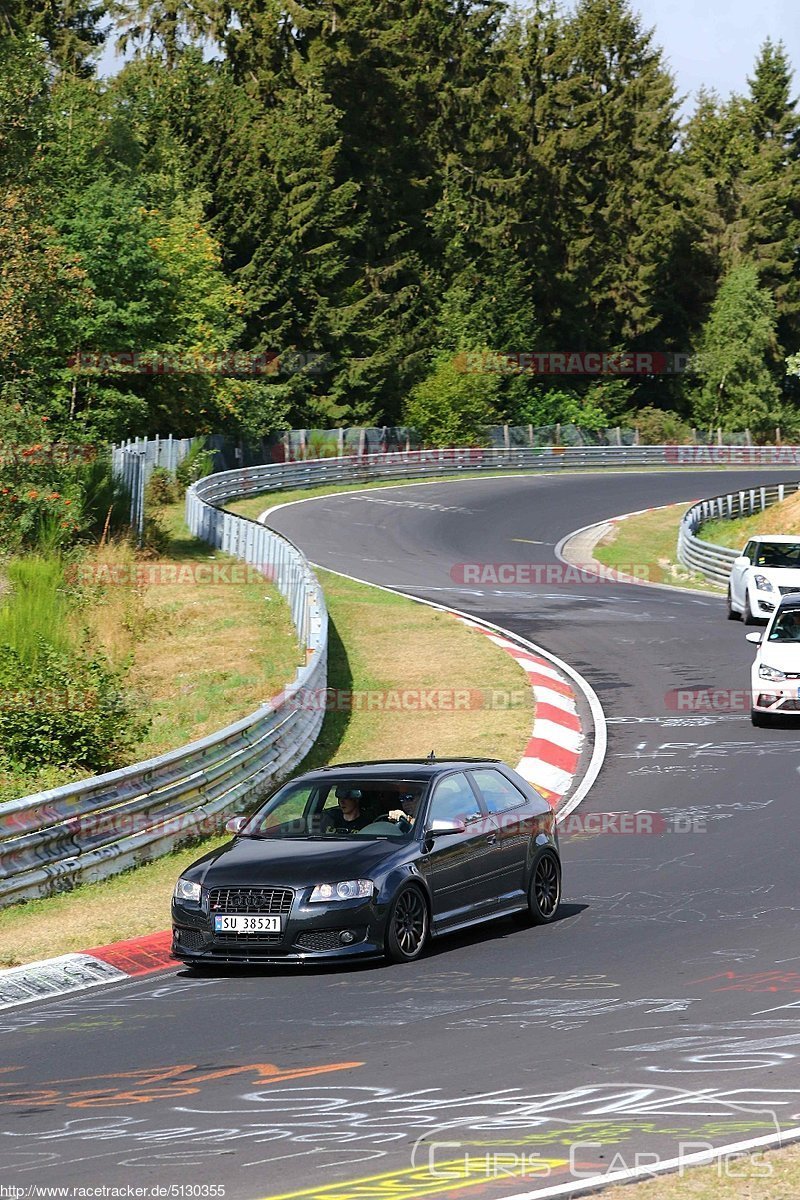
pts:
pixel 659 1015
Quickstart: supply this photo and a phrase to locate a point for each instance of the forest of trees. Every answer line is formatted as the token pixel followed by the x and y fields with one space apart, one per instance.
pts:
pixel 368 189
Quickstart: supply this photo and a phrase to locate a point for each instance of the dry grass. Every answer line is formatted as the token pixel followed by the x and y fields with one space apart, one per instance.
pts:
pixel 771 1176
pixel 382 643
pixel 778 518
pixel 647 544
pixel 379 645
pixel 201 654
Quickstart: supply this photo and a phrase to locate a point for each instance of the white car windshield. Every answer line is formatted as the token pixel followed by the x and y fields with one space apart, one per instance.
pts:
pixel 786 628
pixel 777 554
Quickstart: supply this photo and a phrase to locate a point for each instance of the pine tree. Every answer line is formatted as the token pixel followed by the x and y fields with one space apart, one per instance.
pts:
pixel 602 128
pixel 771 187
pixel 737 356
pixel 72 29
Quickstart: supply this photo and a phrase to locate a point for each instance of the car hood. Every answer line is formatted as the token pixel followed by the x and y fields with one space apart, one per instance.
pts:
pixel 785 656
pixel 292 863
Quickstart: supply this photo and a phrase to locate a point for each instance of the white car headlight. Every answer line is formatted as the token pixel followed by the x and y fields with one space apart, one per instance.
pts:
pixel 767 672
pixel 348 889
pixel 186 890
pixel 763 584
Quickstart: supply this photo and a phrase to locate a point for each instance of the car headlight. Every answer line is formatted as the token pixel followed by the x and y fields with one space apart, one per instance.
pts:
pixel 186 890
pixel 763 584
pixel 767 672
pixel 348 889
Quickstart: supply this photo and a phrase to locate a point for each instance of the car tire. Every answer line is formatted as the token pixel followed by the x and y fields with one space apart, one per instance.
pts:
pixel 749 616
pixel 407 926
pixel 544 889
pixel 733 615
pixel 761 720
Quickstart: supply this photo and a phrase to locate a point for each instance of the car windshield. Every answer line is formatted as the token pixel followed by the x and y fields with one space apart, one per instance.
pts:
pixel 777 554
pixel 339 808
pixel 786 627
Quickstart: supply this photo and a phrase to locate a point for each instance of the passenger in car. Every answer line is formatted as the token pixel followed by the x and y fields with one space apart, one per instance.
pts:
pixel 348 817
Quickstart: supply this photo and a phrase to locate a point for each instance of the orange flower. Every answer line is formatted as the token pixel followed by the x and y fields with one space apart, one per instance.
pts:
pixel 54 496
pixel 68 502
pixel 33 495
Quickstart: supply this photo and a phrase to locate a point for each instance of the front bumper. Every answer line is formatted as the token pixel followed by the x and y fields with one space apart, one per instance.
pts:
pixel 311 932
pixel 780 698
pixel 763 603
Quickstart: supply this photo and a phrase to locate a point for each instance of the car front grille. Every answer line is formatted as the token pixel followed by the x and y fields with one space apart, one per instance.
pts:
pixel 789 591
pixel 266 901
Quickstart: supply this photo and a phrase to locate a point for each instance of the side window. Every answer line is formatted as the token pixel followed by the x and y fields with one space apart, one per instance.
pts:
pixel 453 799
pixel 749 551
pixel 499 793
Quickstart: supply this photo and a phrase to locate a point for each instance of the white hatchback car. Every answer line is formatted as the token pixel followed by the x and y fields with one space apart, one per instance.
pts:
pixel 775 674
pixel 767 570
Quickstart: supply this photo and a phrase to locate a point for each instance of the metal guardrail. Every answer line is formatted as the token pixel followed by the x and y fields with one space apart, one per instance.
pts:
pixel 714 561
pixel 403 464
pixel 94 828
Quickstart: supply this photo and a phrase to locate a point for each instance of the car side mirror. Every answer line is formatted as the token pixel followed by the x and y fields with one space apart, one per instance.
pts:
pixel 741 561
pixel 755 638
pixel 236 824
pixel 437 828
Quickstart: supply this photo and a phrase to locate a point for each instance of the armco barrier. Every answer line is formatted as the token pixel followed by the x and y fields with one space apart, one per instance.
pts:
pixel 716 561
pixel 86 831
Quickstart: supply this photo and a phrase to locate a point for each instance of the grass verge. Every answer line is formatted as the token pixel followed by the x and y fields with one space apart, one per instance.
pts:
pixel 772 1175
pixel 380 646
pixel 646 546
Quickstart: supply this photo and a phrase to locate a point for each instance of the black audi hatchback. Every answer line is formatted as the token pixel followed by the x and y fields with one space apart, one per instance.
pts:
pixel 369 859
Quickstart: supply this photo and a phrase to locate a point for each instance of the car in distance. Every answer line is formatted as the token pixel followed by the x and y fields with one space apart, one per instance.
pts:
pixel 370 859
pixel 767 570
pixel 775 674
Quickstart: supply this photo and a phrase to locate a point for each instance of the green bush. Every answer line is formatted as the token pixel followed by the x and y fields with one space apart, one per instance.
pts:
pixel 661 427
pixel 197 463
pixel 454 404
pixel 62 709
pixel 160 489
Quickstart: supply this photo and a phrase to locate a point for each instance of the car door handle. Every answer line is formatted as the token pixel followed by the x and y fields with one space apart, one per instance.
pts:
pixel 491 839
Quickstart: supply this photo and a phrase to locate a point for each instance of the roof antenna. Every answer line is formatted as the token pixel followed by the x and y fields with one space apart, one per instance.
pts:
pixel 431 757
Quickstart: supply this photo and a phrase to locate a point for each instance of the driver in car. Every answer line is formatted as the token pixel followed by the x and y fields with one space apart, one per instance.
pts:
pixel 406 814
pixel 787 629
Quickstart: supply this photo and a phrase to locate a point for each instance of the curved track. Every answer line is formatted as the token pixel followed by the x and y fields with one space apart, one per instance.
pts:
pixel 659 1015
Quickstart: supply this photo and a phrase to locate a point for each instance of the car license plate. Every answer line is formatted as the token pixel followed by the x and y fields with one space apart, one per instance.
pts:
pixel 240 923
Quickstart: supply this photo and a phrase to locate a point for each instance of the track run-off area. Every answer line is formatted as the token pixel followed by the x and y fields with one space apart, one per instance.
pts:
pixel 658 1017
